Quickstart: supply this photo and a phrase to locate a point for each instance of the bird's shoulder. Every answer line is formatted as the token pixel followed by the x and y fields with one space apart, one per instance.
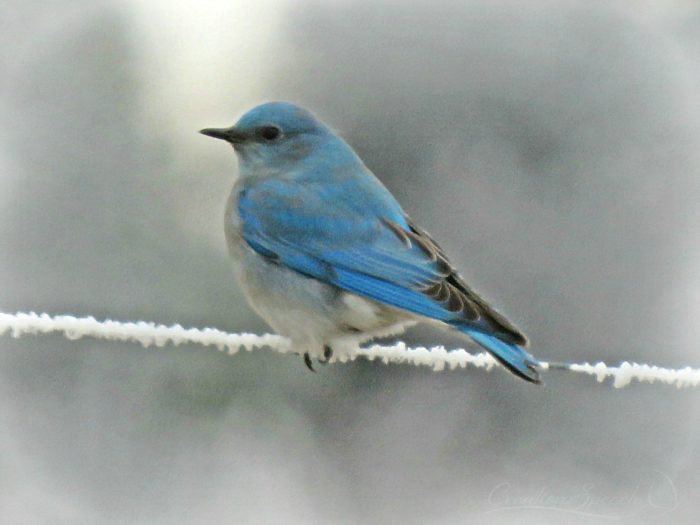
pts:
pixel 350 190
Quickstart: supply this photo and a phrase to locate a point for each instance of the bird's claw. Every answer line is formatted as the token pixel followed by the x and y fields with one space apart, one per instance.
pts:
pixel 307 362
pixel 327 354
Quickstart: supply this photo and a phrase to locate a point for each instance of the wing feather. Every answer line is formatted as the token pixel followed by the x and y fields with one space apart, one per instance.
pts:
pixel 381 254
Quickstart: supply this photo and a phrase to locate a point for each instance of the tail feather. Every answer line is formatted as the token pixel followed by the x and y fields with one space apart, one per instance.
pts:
pixel 513 357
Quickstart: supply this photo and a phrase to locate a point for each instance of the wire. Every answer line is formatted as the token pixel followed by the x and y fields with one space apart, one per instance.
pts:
pixel 437 358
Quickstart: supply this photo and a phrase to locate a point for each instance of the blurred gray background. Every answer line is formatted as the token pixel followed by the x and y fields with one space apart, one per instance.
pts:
pixel 552 147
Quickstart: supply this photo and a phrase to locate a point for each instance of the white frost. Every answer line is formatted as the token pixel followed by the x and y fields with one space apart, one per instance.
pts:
pixel 437 358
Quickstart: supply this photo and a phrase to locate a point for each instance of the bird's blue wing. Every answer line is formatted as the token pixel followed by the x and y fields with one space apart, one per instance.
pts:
pixel 349 244
pixel 356 237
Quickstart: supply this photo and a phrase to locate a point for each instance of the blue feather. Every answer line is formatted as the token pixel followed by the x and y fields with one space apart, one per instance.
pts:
pixel 513 357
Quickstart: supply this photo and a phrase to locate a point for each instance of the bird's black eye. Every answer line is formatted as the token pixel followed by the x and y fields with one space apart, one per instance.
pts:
pixel 270 133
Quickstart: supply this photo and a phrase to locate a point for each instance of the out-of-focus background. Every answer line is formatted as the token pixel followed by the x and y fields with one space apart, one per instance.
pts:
pixel 552 147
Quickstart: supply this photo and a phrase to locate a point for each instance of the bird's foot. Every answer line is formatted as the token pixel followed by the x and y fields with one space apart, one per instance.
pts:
pixel 327 354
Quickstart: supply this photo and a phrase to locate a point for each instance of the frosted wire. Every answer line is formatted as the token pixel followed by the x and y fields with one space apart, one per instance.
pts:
pixel 437 358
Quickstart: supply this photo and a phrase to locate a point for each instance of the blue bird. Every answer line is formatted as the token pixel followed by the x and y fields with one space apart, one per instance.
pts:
pixel 326 255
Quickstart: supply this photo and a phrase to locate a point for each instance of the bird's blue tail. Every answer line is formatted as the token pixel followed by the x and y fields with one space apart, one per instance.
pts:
pixel 513 357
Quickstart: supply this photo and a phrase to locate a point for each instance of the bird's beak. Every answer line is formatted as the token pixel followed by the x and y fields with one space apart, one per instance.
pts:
pixel 232 135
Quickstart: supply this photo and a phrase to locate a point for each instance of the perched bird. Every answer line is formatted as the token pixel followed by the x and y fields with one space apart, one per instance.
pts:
pixel 326 255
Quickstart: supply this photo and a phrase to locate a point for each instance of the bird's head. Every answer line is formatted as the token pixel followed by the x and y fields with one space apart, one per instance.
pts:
pixel 272 135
